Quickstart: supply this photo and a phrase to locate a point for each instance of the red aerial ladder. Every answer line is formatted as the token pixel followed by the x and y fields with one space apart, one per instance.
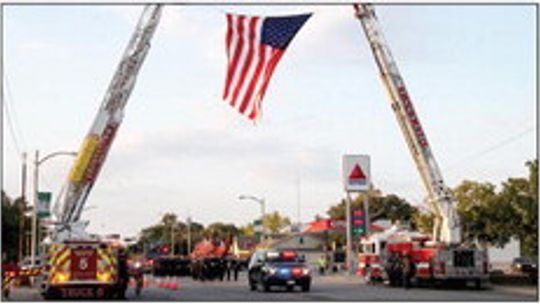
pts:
pixel 441 256
pixel 79 265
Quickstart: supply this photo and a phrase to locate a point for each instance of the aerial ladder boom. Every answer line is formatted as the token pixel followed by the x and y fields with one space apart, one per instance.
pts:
pixel 443 204
pixel 96 144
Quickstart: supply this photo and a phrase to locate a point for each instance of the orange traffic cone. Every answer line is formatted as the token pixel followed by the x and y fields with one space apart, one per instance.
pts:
pixel 169 283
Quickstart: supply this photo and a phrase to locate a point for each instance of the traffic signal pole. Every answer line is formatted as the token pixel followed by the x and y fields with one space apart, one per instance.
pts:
pixel 349 235
pixel 366 211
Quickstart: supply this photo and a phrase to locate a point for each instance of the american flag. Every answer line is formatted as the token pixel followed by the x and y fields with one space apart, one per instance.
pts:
pixel 254 47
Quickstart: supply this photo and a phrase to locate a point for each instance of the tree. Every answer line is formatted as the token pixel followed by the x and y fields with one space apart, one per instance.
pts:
pixel 160 233
pixel 247 230
pixel 496 217
pixel 390 207
pixel 521 194
pixel 483 215
pixel 274 222
pixel 221 230
pixel 423 222
pixel 10 228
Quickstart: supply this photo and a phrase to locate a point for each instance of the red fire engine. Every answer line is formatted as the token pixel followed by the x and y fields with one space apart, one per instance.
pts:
pixel 441 256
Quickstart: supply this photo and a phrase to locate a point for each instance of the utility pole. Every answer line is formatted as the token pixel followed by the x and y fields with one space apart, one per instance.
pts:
pixel 298 200
pixel 172 238
pixel 22 209
pixel 189 235
pixel 349 234
pixel 34 211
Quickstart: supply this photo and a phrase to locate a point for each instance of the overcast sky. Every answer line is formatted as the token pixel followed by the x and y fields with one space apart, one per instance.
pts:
pixel 470 71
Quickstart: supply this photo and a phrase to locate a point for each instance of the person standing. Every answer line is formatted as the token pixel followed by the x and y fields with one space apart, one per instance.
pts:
pixel 228 261
pixel 407 271
pixel 236 267
pixel 322 264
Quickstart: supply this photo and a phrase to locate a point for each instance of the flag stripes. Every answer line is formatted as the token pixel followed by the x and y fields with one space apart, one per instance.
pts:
pixel 254 46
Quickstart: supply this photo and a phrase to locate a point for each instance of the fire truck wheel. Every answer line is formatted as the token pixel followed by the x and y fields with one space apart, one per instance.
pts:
pixel 6 292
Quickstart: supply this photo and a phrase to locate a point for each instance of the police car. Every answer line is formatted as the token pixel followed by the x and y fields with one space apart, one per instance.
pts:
pixel 278 268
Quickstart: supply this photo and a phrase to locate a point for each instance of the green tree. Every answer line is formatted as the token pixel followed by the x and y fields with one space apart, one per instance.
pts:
pixel 496 217
pixel 10 228
pixel 390 207
pixel 521 194
pixel 247 230
pixel 161 233
pixel 274 222
pixel 422 221
pixel 483 215
pixel 221 230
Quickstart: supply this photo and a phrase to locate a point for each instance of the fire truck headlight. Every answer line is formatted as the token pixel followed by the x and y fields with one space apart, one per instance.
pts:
pixel 104 277
pixel 61 277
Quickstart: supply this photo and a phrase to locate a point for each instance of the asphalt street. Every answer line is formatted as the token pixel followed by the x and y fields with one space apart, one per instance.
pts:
pixel 327 288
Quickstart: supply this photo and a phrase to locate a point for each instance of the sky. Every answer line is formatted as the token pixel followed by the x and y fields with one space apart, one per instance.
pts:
pixel 470 71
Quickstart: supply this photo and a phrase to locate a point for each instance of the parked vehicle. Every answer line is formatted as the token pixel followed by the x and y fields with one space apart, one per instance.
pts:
pixel 278 268
pixel 525 265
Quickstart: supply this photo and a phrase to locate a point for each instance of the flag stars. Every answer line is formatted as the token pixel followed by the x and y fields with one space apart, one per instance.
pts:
pixel 279 31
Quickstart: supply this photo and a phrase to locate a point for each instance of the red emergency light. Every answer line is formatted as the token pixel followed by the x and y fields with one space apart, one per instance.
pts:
pixel 288 255
pixel 297 271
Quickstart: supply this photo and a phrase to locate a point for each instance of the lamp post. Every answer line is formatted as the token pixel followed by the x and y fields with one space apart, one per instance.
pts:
pixel 37 163
pixel 262 202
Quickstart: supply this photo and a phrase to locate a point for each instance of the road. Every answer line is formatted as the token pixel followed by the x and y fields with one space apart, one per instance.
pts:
pixel 328 288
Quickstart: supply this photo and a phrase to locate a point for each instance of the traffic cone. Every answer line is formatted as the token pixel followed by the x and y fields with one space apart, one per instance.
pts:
pixel 167 282
pixel 174 285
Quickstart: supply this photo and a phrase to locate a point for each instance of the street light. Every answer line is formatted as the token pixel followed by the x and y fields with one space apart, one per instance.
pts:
pixel 262 202
pixel 38 162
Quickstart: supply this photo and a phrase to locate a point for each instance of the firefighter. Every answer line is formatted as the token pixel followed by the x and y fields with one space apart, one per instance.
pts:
pixel 236 267
pixel 407 270
pixel 228 265
pixel 322 264
pixel 123 274
pixel 393 268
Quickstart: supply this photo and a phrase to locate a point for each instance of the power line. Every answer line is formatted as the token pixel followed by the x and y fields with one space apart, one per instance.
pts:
pixel 494 147
pixel 11 128
pixel 13 112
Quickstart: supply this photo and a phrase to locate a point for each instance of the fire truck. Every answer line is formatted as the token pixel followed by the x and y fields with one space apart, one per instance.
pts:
pixel 79 265
pixel 440 257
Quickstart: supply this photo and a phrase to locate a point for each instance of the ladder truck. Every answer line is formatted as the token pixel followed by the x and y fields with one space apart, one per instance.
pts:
pixel 79 265
pixel 441 257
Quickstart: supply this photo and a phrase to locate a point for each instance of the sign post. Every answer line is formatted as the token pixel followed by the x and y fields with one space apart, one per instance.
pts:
pixel 356 178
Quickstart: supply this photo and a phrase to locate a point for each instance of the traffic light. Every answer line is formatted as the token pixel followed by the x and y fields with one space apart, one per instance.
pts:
pixel 359 222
